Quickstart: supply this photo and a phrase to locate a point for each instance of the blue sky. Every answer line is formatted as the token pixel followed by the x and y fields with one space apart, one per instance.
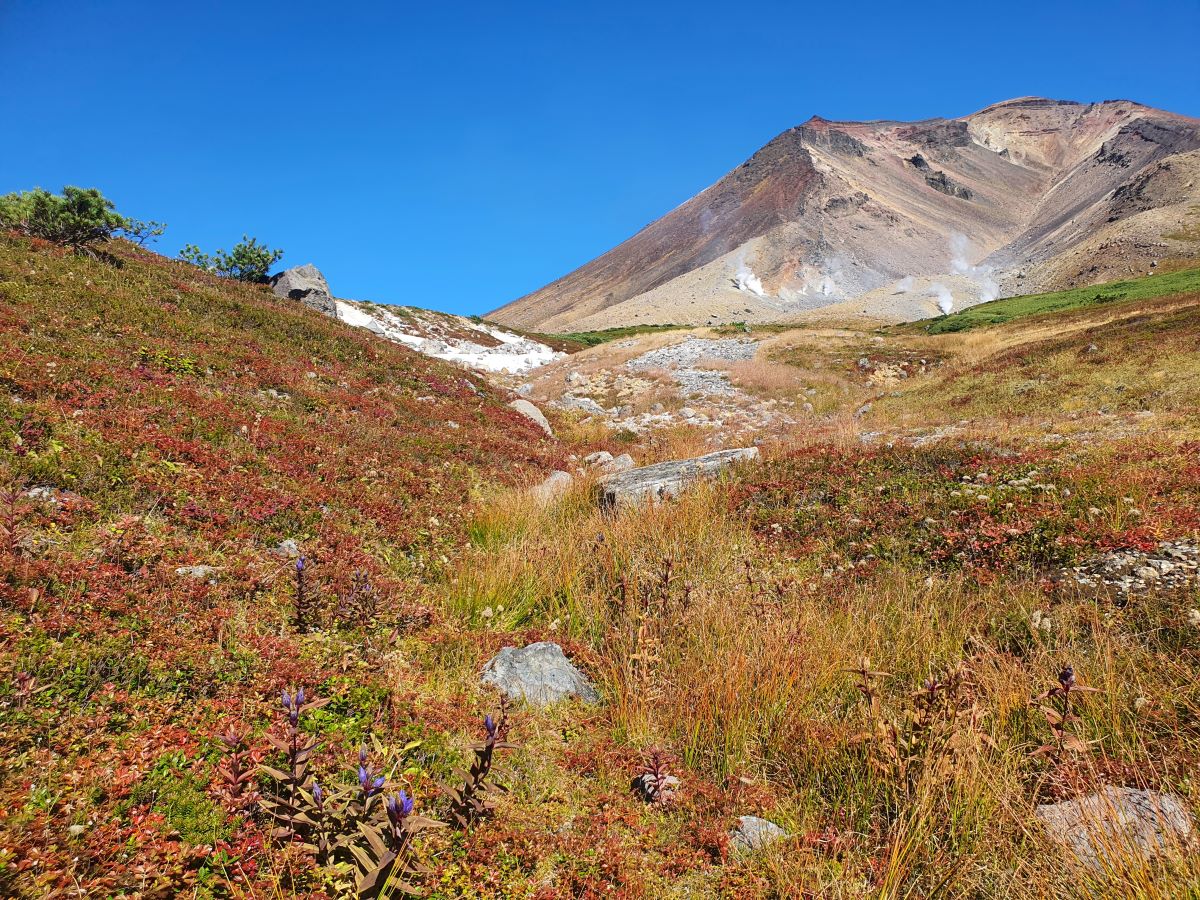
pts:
pixel 458 155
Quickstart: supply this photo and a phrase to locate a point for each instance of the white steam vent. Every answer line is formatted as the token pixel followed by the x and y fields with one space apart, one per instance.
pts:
pixel 746 280
pixel 945 300
pixel 981 275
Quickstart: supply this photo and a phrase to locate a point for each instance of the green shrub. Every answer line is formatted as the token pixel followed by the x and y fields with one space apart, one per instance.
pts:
pixel 247 261
pixel 78 217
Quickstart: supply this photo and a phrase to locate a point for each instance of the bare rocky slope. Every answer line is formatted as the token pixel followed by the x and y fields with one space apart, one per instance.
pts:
pixel 903 218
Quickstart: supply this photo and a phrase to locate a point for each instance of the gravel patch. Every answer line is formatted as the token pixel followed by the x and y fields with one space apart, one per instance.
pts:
pixel 681 360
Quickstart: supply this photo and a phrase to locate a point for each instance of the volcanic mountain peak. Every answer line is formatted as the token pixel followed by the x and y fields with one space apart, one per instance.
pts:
pixel 1030 193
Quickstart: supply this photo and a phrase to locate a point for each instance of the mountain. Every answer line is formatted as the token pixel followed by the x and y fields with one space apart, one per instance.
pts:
pixel 1027 195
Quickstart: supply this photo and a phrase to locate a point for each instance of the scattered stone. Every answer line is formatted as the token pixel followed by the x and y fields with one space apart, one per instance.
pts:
pixel 531 412
pixel 752 834
pixel 306 284
pixel 681 360
pixel 44 494
pixel 198 573
pixel 623 463
pixel 1121 821
pixel 553 487
pixel 653 790
pixel 597 459
pixel 539 674
pixel 667 479
pixel 288 547
pixel 583 404
pixel 1173 565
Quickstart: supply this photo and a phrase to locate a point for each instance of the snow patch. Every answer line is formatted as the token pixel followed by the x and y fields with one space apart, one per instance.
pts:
pixel 430 333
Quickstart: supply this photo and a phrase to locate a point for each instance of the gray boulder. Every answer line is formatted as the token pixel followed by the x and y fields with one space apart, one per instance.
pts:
pixel 531 412
pixel 557 484
pixel 306 284
pixel 598 459
pixel 622 463
pixel 583 404
pixel 1118 822
pixel 753 833
pixel 539 674
pixel 665 480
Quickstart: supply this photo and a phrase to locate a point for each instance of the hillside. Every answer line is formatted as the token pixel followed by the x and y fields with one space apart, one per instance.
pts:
pixel 1026 195
pixel 850 640
pixel 170 442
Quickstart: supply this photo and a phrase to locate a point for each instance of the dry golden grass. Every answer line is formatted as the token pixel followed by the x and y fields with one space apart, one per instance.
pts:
pixel 734 653
pixel 734 656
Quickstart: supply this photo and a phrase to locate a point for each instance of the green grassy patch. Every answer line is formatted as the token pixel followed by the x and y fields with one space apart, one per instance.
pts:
pixel 173 791
pixel 1000 311
pixel 604 335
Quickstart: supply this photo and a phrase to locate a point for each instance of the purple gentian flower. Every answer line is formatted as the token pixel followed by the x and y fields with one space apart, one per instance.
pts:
pixel 399 807
pixel 1067 678
pixel 489 726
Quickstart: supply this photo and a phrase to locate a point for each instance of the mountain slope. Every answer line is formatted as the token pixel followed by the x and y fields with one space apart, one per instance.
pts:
pixel 209 401
pixel 1031 194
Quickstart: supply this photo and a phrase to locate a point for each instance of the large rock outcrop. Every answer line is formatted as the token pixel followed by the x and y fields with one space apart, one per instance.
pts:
pixel 306 284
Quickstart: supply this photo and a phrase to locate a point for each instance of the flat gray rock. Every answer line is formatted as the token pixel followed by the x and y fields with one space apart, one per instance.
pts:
pixel 1119 821
pixel 531 412
pixel 665 480
pixel 539 674
pixel 753 833
pixel 306 284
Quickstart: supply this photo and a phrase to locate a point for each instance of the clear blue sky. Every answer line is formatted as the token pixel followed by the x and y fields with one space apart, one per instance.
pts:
pixel 458 155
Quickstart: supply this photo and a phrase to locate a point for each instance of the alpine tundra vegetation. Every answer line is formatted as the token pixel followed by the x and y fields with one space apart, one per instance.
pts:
pixel 835 536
